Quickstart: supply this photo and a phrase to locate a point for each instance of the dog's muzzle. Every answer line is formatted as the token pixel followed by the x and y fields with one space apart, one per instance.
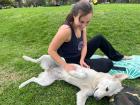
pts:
pixel 97 98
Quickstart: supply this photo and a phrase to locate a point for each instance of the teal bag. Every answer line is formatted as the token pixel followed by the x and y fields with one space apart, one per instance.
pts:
pixel 132 66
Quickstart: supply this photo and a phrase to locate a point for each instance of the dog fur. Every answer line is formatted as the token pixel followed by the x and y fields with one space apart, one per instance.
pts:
pixel 89 81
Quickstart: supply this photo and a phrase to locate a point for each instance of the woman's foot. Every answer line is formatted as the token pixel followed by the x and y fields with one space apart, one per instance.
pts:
pixel 126 57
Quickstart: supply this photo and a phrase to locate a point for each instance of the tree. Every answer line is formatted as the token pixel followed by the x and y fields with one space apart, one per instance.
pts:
pixel 5 2
pixel 20 3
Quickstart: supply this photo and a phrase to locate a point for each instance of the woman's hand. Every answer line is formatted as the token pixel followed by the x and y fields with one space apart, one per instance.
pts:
pixel 83 64
pixel 69 67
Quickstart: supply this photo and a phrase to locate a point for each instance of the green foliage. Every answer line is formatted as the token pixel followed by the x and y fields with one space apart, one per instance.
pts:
pixel 35 3
pixel 28 31
pixel 5 2
pixel 134 1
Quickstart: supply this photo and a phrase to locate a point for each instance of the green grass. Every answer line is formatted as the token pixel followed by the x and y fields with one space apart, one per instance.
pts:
pixel 28 31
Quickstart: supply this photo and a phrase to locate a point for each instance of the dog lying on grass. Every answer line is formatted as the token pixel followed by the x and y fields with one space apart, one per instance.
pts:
pixel 90 82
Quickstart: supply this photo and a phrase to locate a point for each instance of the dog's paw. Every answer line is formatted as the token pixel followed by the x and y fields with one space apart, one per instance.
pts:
pixel 26 58
pixel 21 86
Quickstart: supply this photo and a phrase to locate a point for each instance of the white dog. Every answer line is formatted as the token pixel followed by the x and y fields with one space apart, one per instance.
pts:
pixel 89 81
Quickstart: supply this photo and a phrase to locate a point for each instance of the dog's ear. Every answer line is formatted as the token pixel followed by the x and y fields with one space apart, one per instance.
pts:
pixel 120 76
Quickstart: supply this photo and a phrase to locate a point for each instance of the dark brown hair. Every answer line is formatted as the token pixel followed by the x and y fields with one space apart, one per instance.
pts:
pixel 80 7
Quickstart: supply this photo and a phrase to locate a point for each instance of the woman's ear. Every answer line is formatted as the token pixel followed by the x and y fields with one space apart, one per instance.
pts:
pixel 120 76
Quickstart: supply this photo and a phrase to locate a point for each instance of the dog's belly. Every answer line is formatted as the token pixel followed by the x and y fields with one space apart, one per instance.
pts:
pixel 77 82
pixel 88 82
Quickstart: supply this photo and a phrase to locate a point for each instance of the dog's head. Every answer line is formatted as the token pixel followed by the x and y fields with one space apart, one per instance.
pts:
pixel 109 86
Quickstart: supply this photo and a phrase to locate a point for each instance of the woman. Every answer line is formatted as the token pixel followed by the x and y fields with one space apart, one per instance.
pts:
pixel 71 43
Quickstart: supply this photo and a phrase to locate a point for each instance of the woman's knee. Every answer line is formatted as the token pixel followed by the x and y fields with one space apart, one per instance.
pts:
pixel 99 36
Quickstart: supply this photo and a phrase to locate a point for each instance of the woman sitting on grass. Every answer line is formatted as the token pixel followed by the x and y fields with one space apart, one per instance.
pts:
pixel 70 42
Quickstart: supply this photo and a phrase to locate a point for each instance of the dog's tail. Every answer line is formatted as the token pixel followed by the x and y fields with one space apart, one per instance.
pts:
pixel 26 58
pixel 26 82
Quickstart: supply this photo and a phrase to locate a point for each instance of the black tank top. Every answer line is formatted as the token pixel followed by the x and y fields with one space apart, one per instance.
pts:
pixel 71 50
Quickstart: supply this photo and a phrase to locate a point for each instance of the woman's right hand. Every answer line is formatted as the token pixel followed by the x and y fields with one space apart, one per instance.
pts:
pixel 69 67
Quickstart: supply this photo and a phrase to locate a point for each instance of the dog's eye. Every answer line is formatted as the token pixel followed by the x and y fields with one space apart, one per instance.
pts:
pixel 107 89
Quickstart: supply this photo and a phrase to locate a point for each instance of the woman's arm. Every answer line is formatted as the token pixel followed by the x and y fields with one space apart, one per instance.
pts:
pixel 84 49
pixel 63 35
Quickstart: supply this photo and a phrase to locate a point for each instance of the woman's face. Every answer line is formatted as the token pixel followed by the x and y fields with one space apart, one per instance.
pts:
pixel 82 22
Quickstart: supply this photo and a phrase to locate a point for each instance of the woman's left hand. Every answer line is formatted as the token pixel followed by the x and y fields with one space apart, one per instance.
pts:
pixel 83 64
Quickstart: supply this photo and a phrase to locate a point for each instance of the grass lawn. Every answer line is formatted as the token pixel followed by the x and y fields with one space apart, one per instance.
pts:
pixel 28 31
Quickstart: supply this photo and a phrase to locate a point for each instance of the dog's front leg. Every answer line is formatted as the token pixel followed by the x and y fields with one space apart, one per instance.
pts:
pixel 82 97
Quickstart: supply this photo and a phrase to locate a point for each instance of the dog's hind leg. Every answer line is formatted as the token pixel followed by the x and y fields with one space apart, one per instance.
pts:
pixel 47 58
pixel 38 81
pixel 27 82
pixel 27 58
pixel 44 79
pixel 45 61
